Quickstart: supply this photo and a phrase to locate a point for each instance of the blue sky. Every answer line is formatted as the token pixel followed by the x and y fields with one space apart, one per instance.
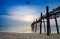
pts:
pixel 19 13
pixel 5 4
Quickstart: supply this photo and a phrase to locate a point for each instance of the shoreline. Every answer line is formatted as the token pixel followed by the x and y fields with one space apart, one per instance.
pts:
pixel 6 35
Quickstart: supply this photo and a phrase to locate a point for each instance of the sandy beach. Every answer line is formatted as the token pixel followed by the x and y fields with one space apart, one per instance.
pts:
pixel 4 35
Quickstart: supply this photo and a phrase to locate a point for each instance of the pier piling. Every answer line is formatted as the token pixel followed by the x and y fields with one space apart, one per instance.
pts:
pixel 40 23
pixel 56 25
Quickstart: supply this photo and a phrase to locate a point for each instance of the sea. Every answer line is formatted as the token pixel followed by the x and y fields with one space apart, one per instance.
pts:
pixel 26 29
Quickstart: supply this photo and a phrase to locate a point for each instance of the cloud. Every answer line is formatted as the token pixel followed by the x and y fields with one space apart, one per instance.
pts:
pixel 5 21
pixel 19 16
pixel 23 13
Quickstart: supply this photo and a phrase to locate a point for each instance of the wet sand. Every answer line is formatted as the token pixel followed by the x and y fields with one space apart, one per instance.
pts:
pixel 5 35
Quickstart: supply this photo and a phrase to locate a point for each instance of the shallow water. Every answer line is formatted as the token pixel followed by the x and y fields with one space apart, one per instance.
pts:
pixel 24 29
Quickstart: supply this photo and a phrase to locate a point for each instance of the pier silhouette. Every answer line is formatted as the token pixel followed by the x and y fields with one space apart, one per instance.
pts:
pixel 54 14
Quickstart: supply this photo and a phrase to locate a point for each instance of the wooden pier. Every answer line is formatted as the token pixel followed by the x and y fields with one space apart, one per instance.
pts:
pixel 54 14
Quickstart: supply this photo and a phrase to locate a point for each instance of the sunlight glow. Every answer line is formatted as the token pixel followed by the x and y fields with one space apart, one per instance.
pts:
pixel 28 18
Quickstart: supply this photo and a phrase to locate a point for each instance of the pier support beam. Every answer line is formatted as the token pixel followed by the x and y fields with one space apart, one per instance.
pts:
pixel 44 26
pixel 40 23
pixel 36 26
pixel 32 27
pixel 56 25
pixel 48 22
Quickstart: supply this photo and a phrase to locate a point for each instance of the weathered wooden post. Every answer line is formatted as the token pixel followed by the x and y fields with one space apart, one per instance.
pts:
pixel 40 23
pixel 48 22
pixel 32 26
pixel 44 25
pixel 56 25
pixel 36 26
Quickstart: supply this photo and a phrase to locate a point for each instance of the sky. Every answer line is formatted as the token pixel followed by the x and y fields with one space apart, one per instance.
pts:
pixel 23 12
